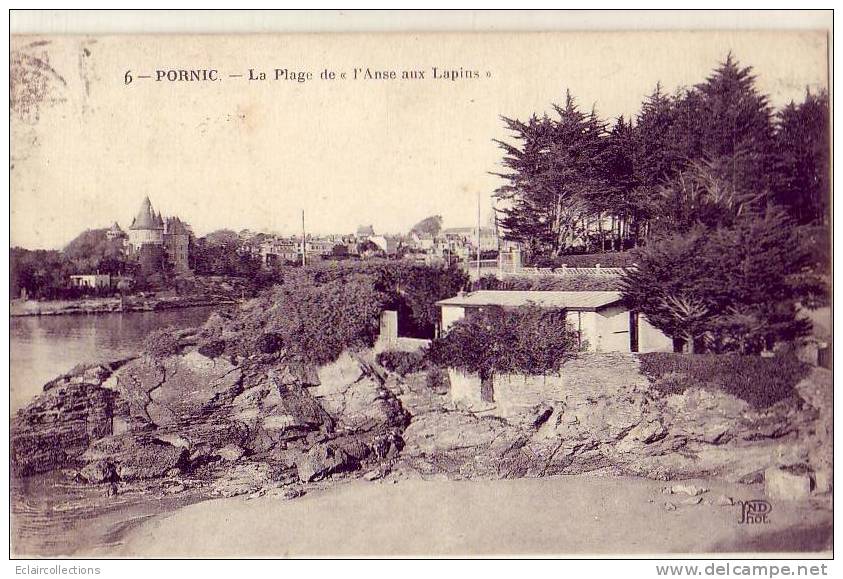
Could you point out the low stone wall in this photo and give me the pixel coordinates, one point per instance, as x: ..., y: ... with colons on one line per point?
x: 514, y: 394
x: 589, y: 375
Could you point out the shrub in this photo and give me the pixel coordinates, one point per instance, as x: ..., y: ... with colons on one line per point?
x: 270, y: 342
x: 437, y: 379
x: 759, y: 381
x: 525, y: 340
x: 412, y: 289
x: 212, y: 349
x: 162, y: 344
x: 401, y: 362
x: 314, y: 321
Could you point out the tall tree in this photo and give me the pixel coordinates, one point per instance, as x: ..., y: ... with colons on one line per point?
x: 429, y: 226
x: 728, y: 122
x: 554, y: 176
x: 802, y: 151
x: 621, y: 195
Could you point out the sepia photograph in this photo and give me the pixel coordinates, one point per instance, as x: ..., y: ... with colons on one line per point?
x: 421, y: 294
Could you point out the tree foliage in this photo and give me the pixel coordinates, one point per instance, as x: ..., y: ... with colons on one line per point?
x: 411, y: 289
x: 734, y: 287
x: 429, y: 226
x: 801, y: 164
x: 701, y: 155
x: 303, y: 321
x: 318, y: 311
x: 222, y: 253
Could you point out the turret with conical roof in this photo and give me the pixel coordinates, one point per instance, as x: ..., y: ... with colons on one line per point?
x: 146, y: 217
x: 147, y: 226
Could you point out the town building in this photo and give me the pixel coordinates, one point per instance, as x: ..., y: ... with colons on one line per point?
x: 280, y: 252
x: 466, y: 237
x: 387, y: 244
x: 150, y: 235
x: 115, y: 232
x: 91, y: 281
x: 601, y: 319
x: 365, y: 231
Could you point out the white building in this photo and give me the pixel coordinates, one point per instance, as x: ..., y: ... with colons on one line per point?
x: 600, y: 318
x: 93, y: 280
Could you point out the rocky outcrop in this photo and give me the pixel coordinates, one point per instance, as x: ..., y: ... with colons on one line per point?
x: 621, y: 425
x: 211, y: 418
x: 135, y: 456
x: 179, y: 388
x: 55, y: 429
x: 323, y: 460
x: 243, y: 479
x: 352, y: 390
x: 253, y: 422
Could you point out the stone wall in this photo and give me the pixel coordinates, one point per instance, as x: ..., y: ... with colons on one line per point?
x: 651, y: 339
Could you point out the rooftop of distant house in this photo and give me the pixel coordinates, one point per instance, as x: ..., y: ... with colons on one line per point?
x: 579, y: 300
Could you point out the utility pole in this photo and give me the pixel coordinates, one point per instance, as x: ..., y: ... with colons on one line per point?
x: 498, y: 244
x: 303, y: 241
x: 478, y: 238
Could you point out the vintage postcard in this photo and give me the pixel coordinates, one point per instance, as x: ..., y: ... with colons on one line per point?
x: 421, y: 295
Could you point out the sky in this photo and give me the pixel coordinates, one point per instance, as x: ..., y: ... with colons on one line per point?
x: 235, y: 153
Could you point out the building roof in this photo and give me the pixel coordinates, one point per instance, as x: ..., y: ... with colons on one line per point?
x: 146, y: 217
x: 365, y: 230
x: 584, y: 300
x: 176, y: 226
x: 116, y: 228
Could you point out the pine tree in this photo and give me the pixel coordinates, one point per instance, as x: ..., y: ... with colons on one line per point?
x: 802, y: 149
x: 728, y: 123
x: 554, y: 176
x: 622, y: 194
x: 737, y: 286
x: 657, y: 157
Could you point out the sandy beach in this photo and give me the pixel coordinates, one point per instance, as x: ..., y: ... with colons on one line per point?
x: 575, y: 515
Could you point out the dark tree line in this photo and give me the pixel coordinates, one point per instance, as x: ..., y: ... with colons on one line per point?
x: 46, y: 273
x: 695, y: 156
x: 726, y: 200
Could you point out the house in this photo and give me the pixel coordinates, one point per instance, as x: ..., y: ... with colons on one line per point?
x: 280, y: 251
x: 389, y: 245
x: 91, y: 280
x: 600, y: 318
x: 467, y: 237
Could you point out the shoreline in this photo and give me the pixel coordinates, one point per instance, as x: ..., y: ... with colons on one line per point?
x: 93, y: 306
x: 546, y: 516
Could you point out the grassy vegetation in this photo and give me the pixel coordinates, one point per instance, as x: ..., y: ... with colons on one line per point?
x: 759, y: 381
x: 401, y: 362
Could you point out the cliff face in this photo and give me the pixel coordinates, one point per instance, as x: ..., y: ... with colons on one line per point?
x: 190, y: 415
x: 55, y: 429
